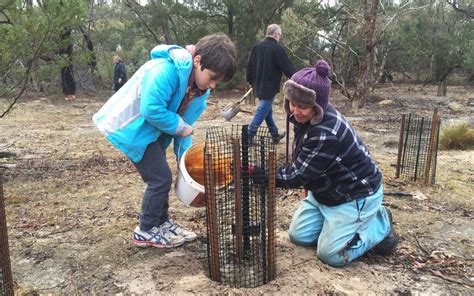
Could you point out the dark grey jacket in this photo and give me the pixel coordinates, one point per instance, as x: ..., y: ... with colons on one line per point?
x: 267, y: 61
x: 119, y: 73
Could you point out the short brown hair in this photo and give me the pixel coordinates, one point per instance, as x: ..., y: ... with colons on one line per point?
x: 218, y: 54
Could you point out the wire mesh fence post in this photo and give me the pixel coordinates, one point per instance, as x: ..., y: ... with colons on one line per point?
x: 245, y: 184
x: 418, y: 148
x: 6, y: 279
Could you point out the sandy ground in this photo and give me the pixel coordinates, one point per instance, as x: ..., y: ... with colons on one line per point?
x: 72, y: 201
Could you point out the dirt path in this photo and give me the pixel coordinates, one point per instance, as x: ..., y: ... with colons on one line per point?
x: 73, y: 200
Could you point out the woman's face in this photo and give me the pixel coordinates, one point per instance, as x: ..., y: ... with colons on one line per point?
x: 302, y: 113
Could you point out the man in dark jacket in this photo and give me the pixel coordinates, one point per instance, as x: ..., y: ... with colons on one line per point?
x: 120, y: 74
x: 267, y: 61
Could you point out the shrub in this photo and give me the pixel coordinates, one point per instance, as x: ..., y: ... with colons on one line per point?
x: 457, y: 136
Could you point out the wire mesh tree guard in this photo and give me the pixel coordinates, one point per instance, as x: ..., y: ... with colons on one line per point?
x: 418, y: 148
x: 240, y: 206
x: 6, y: 280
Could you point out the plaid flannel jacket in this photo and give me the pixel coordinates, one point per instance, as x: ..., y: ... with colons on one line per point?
x: 330, y: 160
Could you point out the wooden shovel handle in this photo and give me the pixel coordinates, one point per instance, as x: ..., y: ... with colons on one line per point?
x: 244, y: 96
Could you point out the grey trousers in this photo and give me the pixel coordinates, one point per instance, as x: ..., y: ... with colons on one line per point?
x: 156, y: 173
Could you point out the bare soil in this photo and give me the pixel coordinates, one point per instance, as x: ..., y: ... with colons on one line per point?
x: 72, y: 201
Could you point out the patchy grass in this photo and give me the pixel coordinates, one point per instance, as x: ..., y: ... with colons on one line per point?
x: 458, y: 136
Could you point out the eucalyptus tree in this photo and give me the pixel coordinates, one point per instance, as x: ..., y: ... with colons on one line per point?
x: 33, y: 43
x: 432, y: 44
x: 353, y: 35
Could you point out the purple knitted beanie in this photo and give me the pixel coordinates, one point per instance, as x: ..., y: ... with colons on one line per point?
x: 309, y: 86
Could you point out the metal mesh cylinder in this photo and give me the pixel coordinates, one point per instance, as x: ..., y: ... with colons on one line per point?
x: 240, y: 205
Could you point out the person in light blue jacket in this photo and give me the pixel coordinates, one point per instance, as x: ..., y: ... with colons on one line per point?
x: 160, y: 104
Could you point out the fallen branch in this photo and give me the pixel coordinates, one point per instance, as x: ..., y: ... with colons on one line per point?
x: 398, y: 194
x: 448, y: 278
x: 419, y: 245
x: 66, y: 229
x: 4, y: 147
x: 304, y: 261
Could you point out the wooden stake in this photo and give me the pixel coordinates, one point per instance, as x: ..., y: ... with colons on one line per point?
x: 5, y: 264
x: 400, y: 147
x: 238, y: 200
x: 212, y: 231
x: 431, y: 146
x: 271, y: 217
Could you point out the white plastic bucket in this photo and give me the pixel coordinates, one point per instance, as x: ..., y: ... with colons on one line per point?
x: 188, y: 191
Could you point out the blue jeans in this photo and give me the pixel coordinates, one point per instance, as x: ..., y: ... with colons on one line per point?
x: 342, y: 233
x: 264, y: 112
x: 156, y: 173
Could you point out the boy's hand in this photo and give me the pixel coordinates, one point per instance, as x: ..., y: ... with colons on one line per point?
x: 186, y: 131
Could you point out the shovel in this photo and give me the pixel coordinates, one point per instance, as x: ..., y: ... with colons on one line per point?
x: 229, y: 112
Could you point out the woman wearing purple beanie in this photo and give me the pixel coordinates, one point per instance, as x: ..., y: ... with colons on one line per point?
x: 342, y: 213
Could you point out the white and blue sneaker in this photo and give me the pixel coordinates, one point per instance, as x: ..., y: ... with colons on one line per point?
x: 160, y: 237
x: 177, y: 230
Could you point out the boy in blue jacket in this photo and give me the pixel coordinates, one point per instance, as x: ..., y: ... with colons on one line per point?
x: 160, y: 103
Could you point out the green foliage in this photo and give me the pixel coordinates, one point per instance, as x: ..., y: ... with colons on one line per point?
x: 431, y: 42
x: 422, y: 39
x: 458, y: 136
x: 31, y: 40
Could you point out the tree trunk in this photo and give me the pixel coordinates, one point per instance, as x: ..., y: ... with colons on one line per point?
x: 442, y: 88
x: 366, y: 63
x: 90, y: 47
x: 230, y: 20
x: 165, y: 28
x: 67, y: 73
x: 471, y: 76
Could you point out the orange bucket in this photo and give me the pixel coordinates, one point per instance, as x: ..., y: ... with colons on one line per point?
x: 189, y: 185
x: 221, y: 165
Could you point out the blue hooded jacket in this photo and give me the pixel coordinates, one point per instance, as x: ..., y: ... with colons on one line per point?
x: 145, y: 108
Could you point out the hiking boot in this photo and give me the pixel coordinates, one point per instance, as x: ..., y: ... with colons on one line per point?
x: 177, y: 230
x: 252, y: 141
x: 389, y: 243
x: 277, y: 138
x: 160, y: 237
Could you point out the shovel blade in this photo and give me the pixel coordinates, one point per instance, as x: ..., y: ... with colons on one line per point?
x: 230, y: 112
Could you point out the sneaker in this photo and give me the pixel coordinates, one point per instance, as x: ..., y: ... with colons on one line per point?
x: 159, y: 237
x: 174, y: 228
x: 277, y: 139
x: 389, y: 243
